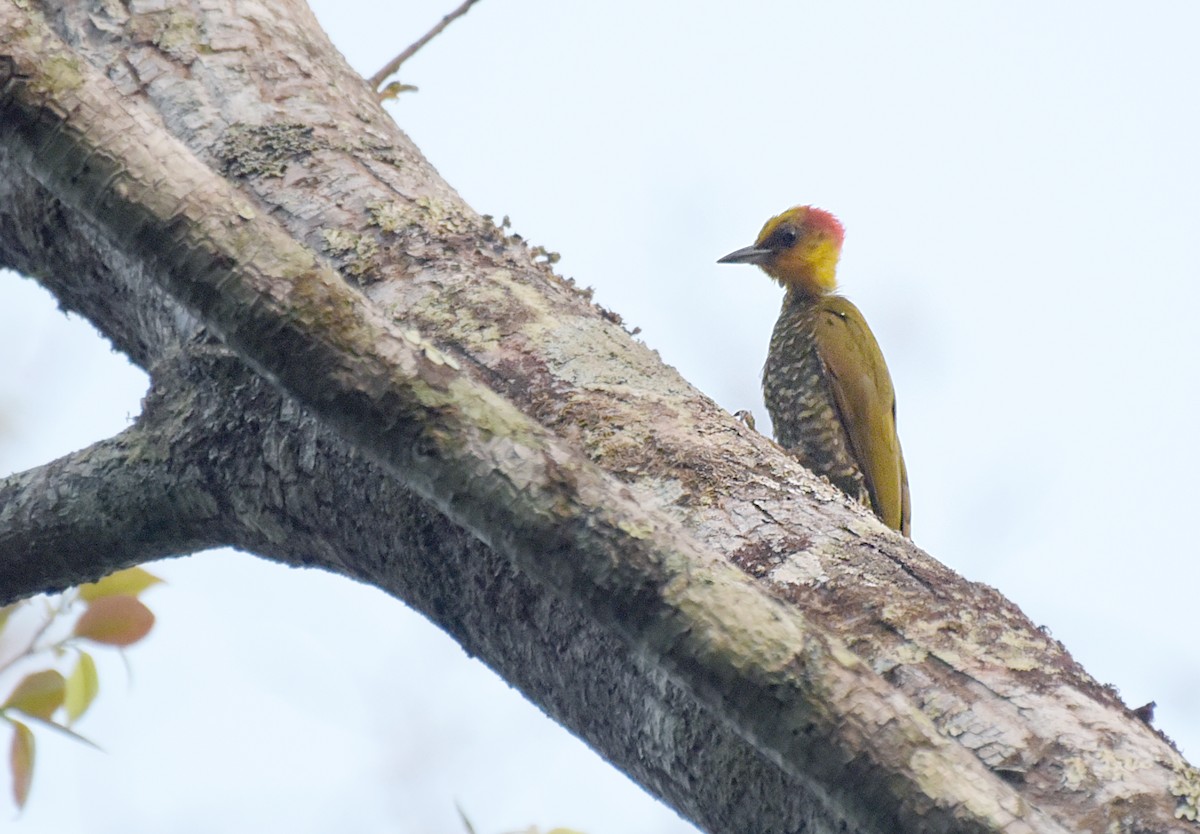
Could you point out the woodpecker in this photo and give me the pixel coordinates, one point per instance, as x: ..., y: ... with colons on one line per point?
x: 825, y: 383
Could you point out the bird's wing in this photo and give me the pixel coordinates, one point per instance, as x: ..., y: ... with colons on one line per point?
x: 863, y: 392
x: 905, y: 499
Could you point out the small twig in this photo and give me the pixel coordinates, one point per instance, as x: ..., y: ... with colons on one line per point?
x: 31, y: 647
x: 390, y: 68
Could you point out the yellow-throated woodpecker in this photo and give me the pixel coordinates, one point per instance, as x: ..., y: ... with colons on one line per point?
x: 825, y: 383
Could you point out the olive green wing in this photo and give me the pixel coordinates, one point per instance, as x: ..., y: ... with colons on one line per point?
x: 862, y: 389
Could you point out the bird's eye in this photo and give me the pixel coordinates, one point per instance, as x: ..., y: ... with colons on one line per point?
x: 784, y: 238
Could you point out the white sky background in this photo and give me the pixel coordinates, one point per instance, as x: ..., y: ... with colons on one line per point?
x: 1021, y: 191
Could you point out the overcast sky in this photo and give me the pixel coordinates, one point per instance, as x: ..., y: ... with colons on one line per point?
x: 1020, y: 186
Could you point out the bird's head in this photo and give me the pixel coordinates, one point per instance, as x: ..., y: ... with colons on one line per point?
x: 798, y: 248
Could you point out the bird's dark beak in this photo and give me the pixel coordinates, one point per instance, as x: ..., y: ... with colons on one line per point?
x: 749, y: 255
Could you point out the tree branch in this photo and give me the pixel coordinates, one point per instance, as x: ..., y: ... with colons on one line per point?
x: 613, y: 549
x: 486, y: 465
x: 115, y: 504
x: 393, y: 65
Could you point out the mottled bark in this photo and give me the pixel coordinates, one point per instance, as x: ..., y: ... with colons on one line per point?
x: 404, y: 394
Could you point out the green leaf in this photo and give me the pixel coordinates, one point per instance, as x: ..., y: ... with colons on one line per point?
x: 20, y: 757
x: 115, y: 621
x: 129, y: 582
x: 82, y: 686
x: 38, y: 694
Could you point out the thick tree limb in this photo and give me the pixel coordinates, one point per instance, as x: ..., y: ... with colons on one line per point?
x: 840, y: 731
x: 112, y: 505
x: 487, y: 466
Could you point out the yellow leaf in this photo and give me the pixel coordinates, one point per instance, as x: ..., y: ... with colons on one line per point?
x: 129, y: 582
x: 115, y: 621
x: 21, y: 759
x: 82, y: 686
x: 38, y: 694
